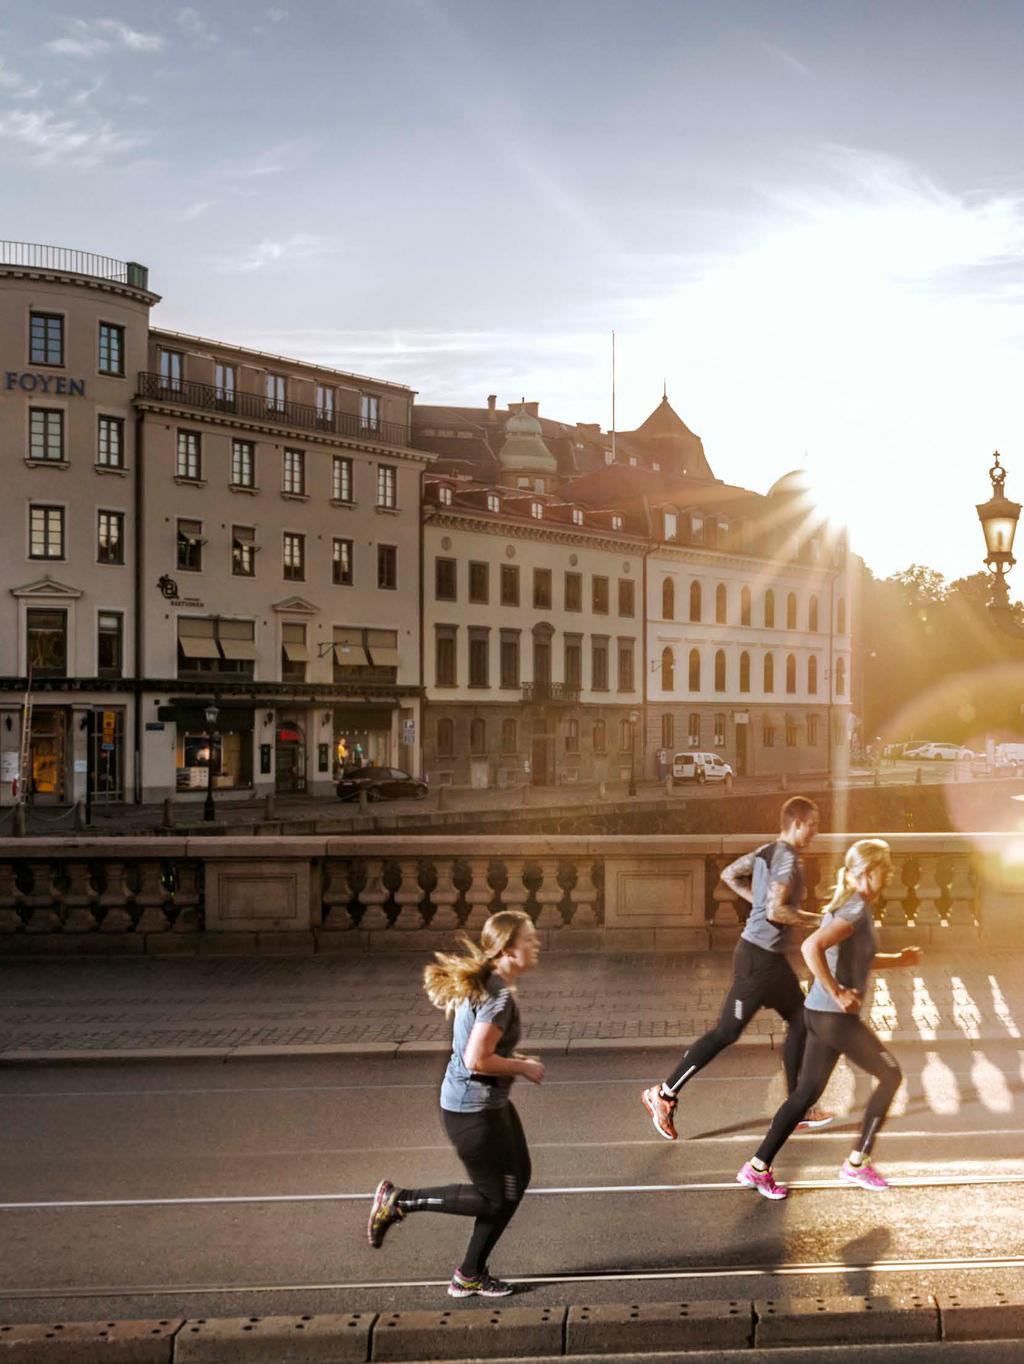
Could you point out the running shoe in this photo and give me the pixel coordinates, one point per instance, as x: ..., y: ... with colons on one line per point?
x: 662, y: 1112
x: 761, y: 1180
x: 483, y: 1286
x: 815, y: 1118
x: 383, y: 1212
x: 864, y: 1176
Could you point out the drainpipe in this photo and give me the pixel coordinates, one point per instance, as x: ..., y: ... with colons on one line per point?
x: 137, y: 606
x: 831, y: 666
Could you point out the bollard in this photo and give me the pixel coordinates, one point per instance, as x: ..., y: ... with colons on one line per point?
x: 668, y: 786
x: 79, y: 817
x: 919, y: 776
x: 728, y: 781
x: 364, y: 803
x: 269, y: 811
x: 168, y: 816
x: 602, y: 793
x: 18, y: 825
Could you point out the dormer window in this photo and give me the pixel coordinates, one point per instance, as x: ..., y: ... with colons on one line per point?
x: 723, y: 525
x: 537, y: 510
x: 656, y: 467
x: 632, y: 461
x: 616, y: 522
x: 493, y: 502
x: 696, y: 529
x: 522, y: 483
x: 444, y: 495
x: 671, y: 525
x: 577, y: 516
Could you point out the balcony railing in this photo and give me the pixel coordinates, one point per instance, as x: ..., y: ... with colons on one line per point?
x: 258, y: 408
x: 554, y: 693
x: 36, y: 256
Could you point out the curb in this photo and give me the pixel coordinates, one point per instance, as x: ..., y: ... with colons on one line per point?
x: 804, y: 1328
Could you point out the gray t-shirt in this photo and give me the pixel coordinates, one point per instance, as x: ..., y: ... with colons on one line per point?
x: 849, y: 960
x: 461, y: 1090
x: 773, y: 862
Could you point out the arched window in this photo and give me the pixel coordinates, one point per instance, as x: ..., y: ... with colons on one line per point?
x: 695, y: 670
x: 769, y: 609
x: 445, y: 738
x: 790, y: 674
x: 744, y: 671
x: 720, y: 670
x: 625, y: 736
x: 509, y: 737
x: 668, y: 670
x: 668, y: 731
x: 720, y: 604
x: 600, y: 736
x: 745, y: 606
x: 668, y: 599
x: 769, y: 673
x: 695, y: 602
x: 841, y: 616
x: 812, y: 676
x: 812, y: 614
x: 477, y: 736
x: 572, y: 736
x: 791, y: 611
x: 840, y: 676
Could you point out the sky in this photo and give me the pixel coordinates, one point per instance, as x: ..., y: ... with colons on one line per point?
x: 805, y: 219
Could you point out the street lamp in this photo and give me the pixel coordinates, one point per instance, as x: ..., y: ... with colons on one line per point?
x: 211, y: 713
x: 998, y: 517
x: 634, y: 716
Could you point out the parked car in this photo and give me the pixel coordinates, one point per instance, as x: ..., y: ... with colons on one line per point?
x: 699, y: 767
x: 913, y: 748
x: 380, y: 783
x: 1009, y: 756
x: 944, y: 752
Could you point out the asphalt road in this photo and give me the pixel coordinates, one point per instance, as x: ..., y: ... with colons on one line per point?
x: 206, y: 1189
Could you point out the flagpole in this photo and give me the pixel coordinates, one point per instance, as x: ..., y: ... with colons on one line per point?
x: 613, y: 397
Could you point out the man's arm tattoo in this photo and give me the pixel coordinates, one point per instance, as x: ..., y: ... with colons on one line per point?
x: 739, y: 876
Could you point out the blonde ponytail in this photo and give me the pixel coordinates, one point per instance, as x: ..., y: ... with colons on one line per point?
x: 860, y: 857
x: 459, y: 976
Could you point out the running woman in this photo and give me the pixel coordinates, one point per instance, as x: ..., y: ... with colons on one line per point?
x: 478, y: 986
x: 771, y: 880
x: 841, y: 954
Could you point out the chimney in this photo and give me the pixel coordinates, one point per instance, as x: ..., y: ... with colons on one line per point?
x: 533, y: 409
x: 492, y: 404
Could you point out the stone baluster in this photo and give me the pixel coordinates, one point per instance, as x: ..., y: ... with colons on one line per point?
x: 479, y: 895
x: 928, y: 913
x: 10, y: 899
x: 962, y: 895
x: 897, y: 894
x: 337, y: 895
x: 584, y: 895
x: 150, y: 899
x: 516, y: 892
x: 373, y: 896
x: 186, y: 898
x: 444, y: 896
x: 409, y: 896
x: 42, y: 900
x: 115, y: 899
x: 79, y: 899
x: 549, y: 895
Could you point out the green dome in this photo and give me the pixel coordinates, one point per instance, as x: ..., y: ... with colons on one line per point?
x: 524, y: 447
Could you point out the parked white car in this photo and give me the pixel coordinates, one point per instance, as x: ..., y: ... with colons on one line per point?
x: 950, y: 753
x: 700, y: 767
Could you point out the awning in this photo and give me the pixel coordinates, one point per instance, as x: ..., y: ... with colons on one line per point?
x: 295, y: 653
x: 193, y: 646
x: 384, y: 658
x: 348, y: 648
x: 239, y: 648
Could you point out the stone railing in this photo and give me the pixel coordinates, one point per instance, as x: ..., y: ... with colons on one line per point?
x: 648, y: 893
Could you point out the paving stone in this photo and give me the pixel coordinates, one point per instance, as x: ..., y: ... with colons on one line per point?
x: 324, y: 1339
x: 988, y: 1315
x: 657, y: 1326
x: 842, y: 1320
x: 501, y: 1332
x: 88, y: 1342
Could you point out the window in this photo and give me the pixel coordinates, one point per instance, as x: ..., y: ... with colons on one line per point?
x: 790, y: 732
x: 46, y: 532
x: 45, y: 433
x: 812, y: 614
x: 369, y: 412
x: 190, y: 462
x: 668, y: 731
x: 274, y: 388
x: 769, y: 608
x: 668, y: 599
x: 790, y: 674
x: 110, y: 537
x: 744, y: 605
x: 841, y: 616
x: 47, y: 641
x: 626, y: 671
x: 325, y: 405
x: 694, y: 678
x: 573, y: 661
x: 625, y: 736
x: 46, y: 339
x: 341, y: 563
x: 812, y: 676
x: 769, y: 674
x: 616, y: 522
x: 387, y: 485
x: 719, y: 731
x: 243, y: 464
x: 693, y: 730
x: 509, y: 736
x: 293, y: 472
x: 294, y: 556
x: 574, y: 591
x: 445, y: 738
x: 110, y: 443
x: 445, y: 580
x: 695, y: 601
x: 109, y: 644
x: 600, y: 736
x: 172, y: 370
x: 744, y: 671
x: 671, y: 525
x: 387, y: 567
x: 243, y: 551
x: 697, y: 529
x: 479, y: 657
x: 627, y: 597
x: 542, y: 658
x: 444, y: 495
x: 510, y: 658
x: 812, y: 731
x: 720, y: 604
x: 444, y: 656
x: 840, y: 676
x: 599, y: 596
x: 509, y: 585
x: 537, y: 510
x: 213, y: 645
x: 190, y: 546
x: 599, y: 664
x: 294, y: 652
x: 224, y: 383
x: 479, y: 583
x: 542, y: 589
x: 477, y: 737
x: 111, y: 349
x: 577, y: 516
x: 341, y: 478
x: 572, y: 736
x: 719, y: 670
x: 493, y: 502
x: 668, y: 669
x: 791, y: 611
x: 768, y: 734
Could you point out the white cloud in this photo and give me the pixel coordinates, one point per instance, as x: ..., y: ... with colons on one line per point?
x: 15, y: 85
x: 194, y: 211
x: 194, y: 26
x: 50, y: 138
x: 787, y: 58
x: 89, y: 39
x: 300, y: 246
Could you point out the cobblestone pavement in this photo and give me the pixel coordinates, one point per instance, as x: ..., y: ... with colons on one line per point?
x: 221, y: 1006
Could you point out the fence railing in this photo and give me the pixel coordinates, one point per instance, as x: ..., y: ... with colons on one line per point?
x: 37, y: 256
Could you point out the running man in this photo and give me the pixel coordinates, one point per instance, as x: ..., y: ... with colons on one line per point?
x: 841, y: 953
x: 771, y: 880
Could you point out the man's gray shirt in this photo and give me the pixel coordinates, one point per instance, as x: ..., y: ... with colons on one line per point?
x: 773, y: 862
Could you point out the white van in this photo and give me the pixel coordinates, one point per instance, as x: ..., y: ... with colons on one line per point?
x: 699, y: 767
x: 1010, y: 755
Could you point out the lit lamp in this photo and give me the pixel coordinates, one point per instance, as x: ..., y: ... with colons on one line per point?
x: 634, y: 716
x: 211, y: 713
x: 998, y: 517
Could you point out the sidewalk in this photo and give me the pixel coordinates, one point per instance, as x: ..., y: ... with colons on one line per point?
x: 149, y: 1008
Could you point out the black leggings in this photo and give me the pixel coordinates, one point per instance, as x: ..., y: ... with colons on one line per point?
x: 830, y: 1036
x: 492, y: 1146
x: 761, y: 980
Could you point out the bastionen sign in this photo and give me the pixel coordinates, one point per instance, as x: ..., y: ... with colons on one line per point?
x: 44, y: 383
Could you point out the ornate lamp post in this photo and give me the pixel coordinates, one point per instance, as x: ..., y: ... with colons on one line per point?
x: 998, y: 517
x: 211, y: 713
x: 634, y: 716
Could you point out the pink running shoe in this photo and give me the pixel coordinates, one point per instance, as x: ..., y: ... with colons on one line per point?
x: 864, y: 1176
x: 761, y: 1180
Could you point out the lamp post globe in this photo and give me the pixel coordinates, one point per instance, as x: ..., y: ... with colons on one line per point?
x: 211, y: 715
x: 999, y: 517
x: 634, y: 717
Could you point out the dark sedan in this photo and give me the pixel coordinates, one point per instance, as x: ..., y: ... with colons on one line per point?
x: 380, y: 783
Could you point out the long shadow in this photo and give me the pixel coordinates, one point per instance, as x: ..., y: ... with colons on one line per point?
x: 860, y: 1254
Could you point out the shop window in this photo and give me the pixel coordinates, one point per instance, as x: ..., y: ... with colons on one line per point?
x: 572, y: 736
x: 109, y: 644
x: 341, y: 563
x: 387, y: 567
x: 46, y: 339
x: 719, y: 670
x: 509, y: 736
x: 243, y: 551
x: 110, y: 443
x: 294, y: 651
x: 721, y: 599
x: 694, y: 670
x: 243, y: 464
x: 221, y: 757
x: 106, y: 755
x: 574, y: 591
x: 744, y: 605
x: 189, y: 463
x: 47, y: 642
x: 600, y: 738
x: 769, y: 674
x: 599, y: 596
x: 668, y: 599
x: 445, y: 738
x: 477, y: 737
x: 510, y: 584
x: 110, y: 537
x: 341, y: 478
x: 111, y: 349
x: 668, y: 731
x: 769, y: 609
x: 668, y: 669
x: 190, y: 546
x: 479, y: 583
x: 293, y: 550
x: 46, y: 434
x: 744, y: 671
x: 444, y: 656
x: 627, y: 597
x: 696, y: 606
x: 790, y: 674
x: 542, y: 589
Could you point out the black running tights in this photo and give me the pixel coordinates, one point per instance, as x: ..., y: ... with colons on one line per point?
x: 830, y: 1036
x: 492, y: 1146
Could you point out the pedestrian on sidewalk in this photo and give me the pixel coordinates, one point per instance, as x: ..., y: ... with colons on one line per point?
x: 478, y: 985
x: 771, y: 880
x: 841, y: 954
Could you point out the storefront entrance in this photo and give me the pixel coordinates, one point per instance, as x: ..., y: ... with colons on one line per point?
x: 362, y: 735
x: 289, y: 758
x: 48, y: 756
x: 106, y: 756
